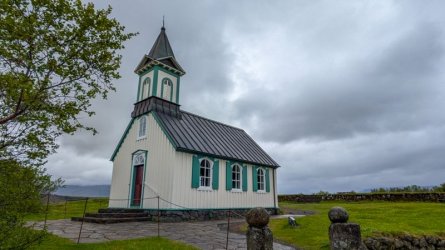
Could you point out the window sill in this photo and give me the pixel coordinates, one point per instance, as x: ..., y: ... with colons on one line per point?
x: 236, y: 191
x: 261, y: 192
x: 141, y: 138
x: 208, y: 189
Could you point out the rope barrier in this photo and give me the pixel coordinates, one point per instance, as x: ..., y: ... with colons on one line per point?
x: 230, y: 213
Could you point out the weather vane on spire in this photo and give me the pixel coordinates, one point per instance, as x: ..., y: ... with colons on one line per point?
x: 163, y: 21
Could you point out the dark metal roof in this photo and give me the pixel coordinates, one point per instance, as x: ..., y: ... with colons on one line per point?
x: 161, y: 48
x: 196, y: 134
x: 161, y: 53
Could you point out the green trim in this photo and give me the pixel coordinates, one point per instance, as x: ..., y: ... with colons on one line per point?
x: 195, y: 209
x: 177, y: 82
x: 122, y: 139
x: 139, y: 89
x: 166, y: 71
x: 215, y: 173
x: 267, y: 177
x: 228, y: 175
x: 244, y: 178
x: 159, y: 122
x: 195, y: 171
x: 254, y: 178
x: 177, y: 89
x: 155, y: 82
x: 185, y: 150
x: 129, y: 183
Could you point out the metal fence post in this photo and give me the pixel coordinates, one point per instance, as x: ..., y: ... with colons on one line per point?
x: 228, y: 227
x: 46, y: 210
x: 158, y: 217
x: 83, y: 218
x: 64, y: 215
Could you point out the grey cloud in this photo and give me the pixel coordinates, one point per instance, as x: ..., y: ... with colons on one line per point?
x: 393, y: 91
x: 344, y: 96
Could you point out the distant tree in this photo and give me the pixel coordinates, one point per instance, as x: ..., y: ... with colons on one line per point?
x: 55, y: 57
x: 406, y: 189
x: 440, y: 188
x: 321, y: 192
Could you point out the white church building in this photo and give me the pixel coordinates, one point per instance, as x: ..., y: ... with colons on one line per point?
x: 188, y: 161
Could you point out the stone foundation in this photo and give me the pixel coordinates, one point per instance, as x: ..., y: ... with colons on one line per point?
x: 190, y: 215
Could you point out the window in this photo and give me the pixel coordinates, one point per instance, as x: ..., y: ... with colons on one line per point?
x: 205, y: 175
x: 236, y: 177
x: 138, y: 159
x: 142, y: 127
x: 167, y: 87
x: 145, y: 89
x: 260, y: 180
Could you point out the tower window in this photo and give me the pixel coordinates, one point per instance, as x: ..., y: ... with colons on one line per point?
x: 146, y: 88
x: 167, y: 89
x: 142, y: 127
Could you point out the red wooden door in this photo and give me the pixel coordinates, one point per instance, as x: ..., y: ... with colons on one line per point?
x: 139, y: 172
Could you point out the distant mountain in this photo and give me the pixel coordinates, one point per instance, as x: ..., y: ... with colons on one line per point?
x: 84, y: 191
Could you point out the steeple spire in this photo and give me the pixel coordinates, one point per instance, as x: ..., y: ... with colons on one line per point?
x: 161, y: 48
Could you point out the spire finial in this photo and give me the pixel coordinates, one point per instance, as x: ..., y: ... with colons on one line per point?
x: 163, y: 22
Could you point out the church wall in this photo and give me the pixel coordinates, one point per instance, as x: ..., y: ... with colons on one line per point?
x: 169, y: 174
x: 186, y: 196
x: 158, y: 169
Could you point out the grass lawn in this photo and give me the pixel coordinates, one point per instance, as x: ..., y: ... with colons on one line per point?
x: 73, y: 208
x: 54, y: 242
x: 374, y: 217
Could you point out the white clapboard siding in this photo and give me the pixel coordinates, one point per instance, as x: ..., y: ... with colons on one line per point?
x: 186, y: 196
x: 159, y: 168
x: 169, y: 175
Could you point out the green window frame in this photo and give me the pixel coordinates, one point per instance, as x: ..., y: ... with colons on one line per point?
x: 205, y: 173
x: 260, y: 179
x: 231, y: 182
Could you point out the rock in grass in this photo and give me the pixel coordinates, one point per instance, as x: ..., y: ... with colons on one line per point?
x: 338, y: 215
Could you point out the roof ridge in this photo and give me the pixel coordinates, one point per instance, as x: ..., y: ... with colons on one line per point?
x: 202, y: 117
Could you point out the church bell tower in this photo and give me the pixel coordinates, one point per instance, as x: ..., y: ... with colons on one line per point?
x: 159, y: 79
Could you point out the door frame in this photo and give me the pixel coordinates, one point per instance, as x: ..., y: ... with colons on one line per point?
x: 132, y: 187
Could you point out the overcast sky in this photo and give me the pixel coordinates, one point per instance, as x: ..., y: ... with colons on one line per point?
x: 344, y: 95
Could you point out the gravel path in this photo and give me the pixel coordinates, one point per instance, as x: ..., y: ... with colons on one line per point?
x: 204, y: 234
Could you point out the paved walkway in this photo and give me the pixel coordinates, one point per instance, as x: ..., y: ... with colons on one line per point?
x: 204, y: 235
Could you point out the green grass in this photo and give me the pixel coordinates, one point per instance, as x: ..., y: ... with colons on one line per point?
x: 374, y: 217
x: 73, y: 208
x: 416, y: 218
x: 54, y: 242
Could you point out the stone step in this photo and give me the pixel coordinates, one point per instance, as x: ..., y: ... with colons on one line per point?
x: 116, y: 215
x: 121, y: 210
x: 110, y: 220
